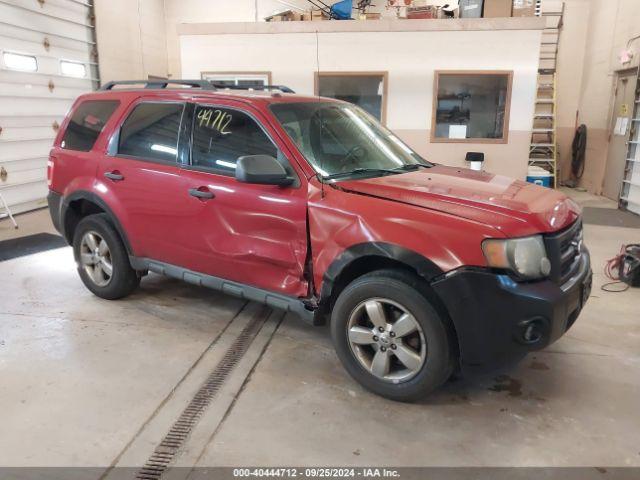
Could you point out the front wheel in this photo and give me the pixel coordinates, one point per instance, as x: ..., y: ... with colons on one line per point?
x: 390, y: 338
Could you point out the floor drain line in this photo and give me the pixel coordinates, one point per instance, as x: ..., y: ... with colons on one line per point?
x: 166, y: 451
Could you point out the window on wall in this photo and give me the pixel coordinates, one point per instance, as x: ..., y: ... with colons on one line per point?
x: 471, y: 107
x: 18, y: 61
x: 367, y: 90
x: 222, y: 135
x: 73, y: 69
x: 151, y: 132
x: 244, y: 80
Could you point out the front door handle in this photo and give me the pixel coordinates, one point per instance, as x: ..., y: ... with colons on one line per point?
x: 203, y: 194
x: 116, y: 176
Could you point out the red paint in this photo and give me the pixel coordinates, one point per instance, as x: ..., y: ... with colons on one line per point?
x: 257, y: 234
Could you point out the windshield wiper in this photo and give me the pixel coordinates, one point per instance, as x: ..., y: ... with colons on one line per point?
x: 358, y: 171
x: 412, y: 166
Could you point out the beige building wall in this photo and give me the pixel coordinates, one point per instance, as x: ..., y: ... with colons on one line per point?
x: 571, y: 56
x: 409, y: 51
x: 131, y: 39
x: 609, y: 24
x: 179, y: 12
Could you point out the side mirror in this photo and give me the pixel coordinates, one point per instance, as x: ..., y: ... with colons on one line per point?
x: 262, y: 169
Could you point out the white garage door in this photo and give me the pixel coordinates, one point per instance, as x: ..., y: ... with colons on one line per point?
x: 47, y: 59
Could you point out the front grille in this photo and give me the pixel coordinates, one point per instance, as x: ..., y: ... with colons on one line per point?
x: 564, y: 251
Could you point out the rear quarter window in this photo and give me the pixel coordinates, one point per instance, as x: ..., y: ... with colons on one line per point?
x: 86, y: 124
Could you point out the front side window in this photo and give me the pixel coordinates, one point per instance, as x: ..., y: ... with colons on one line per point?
x: 86, y: 123
x: 339, y: 140
x: 151, y: 132
x: 471, y: 106
x: 222, y: 135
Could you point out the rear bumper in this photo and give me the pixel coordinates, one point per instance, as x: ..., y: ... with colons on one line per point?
x: 55, y: 209
x: 498, y: 319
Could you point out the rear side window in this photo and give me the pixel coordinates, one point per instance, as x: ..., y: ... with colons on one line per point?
x: 221, y: 135
x: 86, y: 123
x: 151, y: 132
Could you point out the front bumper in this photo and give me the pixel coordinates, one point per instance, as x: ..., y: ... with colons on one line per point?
x: 498, y: 319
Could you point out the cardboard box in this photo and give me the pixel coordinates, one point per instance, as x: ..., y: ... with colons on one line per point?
x: 284, y: 16
x: 497, y: 8
x: 427, y: 11
x: 470, y: 8
x: 317, y: 15
x: 524, y: 8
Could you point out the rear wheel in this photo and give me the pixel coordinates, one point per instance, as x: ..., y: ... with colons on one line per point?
x: 390, y: 338
x: 103, y: 262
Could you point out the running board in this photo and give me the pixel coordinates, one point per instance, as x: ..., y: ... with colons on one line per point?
x: 246, y: 292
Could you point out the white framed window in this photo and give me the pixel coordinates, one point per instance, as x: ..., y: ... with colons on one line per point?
x: 73, y: 69
x: 19, y: 61
x: 238, y: 79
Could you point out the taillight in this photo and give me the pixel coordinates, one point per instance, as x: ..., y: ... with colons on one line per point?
x: 50, y: 165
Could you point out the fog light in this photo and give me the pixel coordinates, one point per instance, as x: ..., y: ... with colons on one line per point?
x: 532, y: 331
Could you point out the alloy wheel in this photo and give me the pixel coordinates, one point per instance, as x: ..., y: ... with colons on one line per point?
x: 95, y: 258
x: 387, y: 340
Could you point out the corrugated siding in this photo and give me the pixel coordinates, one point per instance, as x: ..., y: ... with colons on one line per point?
x: 33, y: 104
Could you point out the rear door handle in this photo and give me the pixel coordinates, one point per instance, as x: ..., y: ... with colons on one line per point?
x: 203, y: 194
x: 116, y: 176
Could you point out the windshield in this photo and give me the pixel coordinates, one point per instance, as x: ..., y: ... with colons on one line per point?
x: 341, y: 140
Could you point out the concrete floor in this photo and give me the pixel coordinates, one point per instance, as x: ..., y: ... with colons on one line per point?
x: 88, y: 382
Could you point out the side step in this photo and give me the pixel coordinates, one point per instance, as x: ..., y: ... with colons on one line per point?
x: 247, y: 292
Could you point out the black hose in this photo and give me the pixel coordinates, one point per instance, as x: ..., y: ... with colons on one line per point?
x: 578, y: 149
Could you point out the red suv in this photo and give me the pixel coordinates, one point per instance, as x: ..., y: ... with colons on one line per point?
x: 310, y: 205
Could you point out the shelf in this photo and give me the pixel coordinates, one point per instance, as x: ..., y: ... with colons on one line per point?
x: 633, y: 184
x: 542, y: 130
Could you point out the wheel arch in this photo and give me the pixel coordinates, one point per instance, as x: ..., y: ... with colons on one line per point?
x: 81, y: 204
x: 368, y: 257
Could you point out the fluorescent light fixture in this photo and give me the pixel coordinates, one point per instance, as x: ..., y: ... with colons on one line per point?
x: 17, y: 61
x: 73, y: 69
x: 163, y: 148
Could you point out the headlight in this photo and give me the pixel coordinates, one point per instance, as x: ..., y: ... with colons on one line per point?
x: 526, y: 257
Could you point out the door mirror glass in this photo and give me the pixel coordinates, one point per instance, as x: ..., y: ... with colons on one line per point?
x: 261, y: 169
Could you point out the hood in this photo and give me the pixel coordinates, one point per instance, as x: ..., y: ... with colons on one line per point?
x: 514, y: 207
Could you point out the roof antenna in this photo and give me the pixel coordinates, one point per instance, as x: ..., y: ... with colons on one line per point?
x: 321, y: 126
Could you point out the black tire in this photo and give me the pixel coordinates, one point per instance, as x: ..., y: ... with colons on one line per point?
x: 124, y: 279
x: 404, y: 289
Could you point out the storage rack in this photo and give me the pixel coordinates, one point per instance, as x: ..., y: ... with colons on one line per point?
x: 543, y: 150
x: 630, y: 188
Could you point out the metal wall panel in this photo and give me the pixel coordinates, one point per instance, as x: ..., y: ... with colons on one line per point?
x: 33, y: 104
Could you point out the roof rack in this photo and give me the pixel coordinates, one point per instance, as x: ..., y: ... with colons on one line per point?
x: 282, y: 88
x: 202, y: 84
